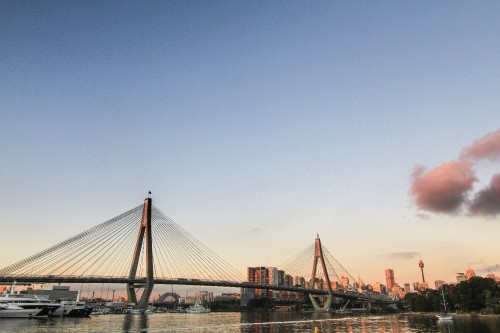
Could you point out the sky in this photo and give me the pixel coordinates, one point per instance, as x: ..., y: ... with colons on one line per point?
x: 257, y: 125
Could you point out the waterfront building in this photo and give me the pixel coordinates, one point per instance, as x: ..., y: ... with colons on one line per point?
x: 55, y: 294
x: 227, y: 297
x: 407, y: 288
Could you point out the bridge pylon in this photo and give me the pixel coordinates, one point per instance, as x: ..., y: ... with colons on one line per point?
x: 318, y: 255
x: 144, y: 232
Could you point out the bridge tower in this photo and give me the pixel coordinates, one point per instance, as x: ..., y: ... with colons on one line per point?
x: 318, y: 255
x: 144, y: 232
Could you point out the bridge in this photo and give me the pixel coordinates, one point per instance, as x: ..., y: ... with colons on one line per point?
x: 143, y: 247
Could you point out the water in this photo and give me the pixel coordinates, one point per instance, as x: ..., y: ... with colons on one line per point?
x: 278, y: 322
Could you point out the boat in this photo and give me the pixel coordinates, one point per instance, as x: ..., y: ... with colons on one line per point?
x: 197, y: 308
x: 14, y: 311
x: 445, y: 316
x: 75, y: 309
x: 12, y: 301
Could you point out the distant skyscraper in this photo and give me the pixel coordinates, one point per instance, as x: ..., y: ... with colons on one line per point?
x: 377, y: 287
x: 389, y: 278
x: 344, y: 280
x: 461, y: 277
x: 439, y: 283
x: 299, y: 281
x: 259, y: 275
x: 273, y: 276
x: 421, y: 265
x: 470, y: 273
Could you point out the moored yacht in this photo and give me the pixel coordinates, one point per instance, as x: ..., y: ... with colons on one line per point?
x: 73, y: 308
x: 197, y: 308
x: 13, y: 301
x: 13, y: 311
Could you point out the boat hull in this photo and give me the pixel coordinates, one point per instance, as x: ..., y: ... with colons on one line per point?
x: 22, y: 313
x: 444, y: 317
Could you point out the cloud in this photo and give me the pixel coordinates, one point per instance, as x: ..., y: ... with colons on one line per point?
x: 424, y: 216
x: 402, y: 255
x: 487, y: 147
x: 443, y: 189
x: 487, y: 201
x: 447, y: 188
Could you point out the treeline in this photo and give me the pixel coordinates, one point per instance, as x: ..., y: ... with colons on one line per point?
x: 475, y: 295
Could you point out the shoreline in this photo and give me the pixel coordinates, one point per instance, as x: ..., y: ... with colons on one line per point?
x: 461, y: 314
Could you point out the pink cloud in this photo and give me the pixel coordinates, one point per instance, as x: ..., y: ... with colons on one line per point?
x: 487, y: 201
x: 487, y: 147
x: 443, y: 189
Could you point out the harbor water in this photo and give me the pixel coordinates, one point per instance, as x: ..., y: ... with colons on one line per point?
x: 248, y: 322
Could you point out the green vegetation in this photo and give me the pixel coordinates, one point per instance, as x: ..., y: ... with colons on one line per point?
x: 475, y: 295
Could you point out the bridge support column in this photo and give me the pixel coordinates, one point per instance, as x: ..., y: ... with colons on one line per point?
x: 318, y: 255
x: 144, y: 231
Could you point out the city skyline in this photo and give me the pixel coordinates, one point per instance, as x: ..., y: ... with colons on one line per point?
x: 257, y: 126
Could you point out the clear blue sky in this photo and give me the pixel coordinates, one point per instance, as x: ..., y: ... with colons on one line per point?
x: 256, y: 125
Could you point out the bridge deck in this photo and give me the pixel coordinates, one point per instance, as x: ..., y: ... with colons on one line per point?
x: 193, y: 282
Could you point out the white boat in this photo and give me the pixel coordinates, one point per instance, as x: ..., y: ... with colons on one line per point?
x: 13, y: 311
x: 14, y: 300
x: 445, y: 316
x: 197, y: 308
x: 73, y: 308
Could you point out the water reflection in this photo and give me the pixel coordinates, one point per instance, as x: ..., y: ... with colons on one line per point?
x: 134, y: 323
x: 254, y: 322
x: 445, y: 326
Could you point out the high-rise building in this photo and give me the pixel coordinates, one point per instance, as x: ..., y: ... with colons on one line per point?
x: 378, y: 287
x: 439, y: 283
x: 299, y: 281
x: 258, y: 275
x: 204, y: 296
x: 344, y: 280
x: 470, y: 273
x: 461, y: 277
x: 389, y: 278
x: 273, y: 274
x: 281, y: 278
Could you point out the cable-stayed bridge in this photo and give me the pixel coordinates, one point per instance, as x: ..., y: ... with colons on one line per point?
x: 144, y: 247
